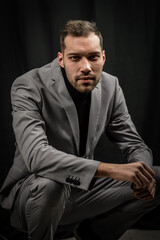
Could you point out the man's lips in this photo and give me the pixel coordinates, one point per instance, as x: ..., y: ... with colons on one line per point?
x: 86, y: 78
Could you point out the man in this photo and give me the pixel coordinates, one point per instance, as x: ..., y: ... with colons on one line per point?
x: 59, y: 113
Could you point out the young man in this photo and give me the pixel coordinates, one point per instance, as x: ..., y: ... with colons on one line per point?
x: 59, y: 113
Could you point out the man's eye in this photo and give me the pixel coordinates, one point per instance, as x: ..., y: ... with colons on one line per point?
x: 93, y: 57
x: 74, y: 58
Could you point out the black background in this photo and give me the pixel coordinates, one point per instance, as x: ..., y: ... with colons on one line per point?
x: 30, y: 38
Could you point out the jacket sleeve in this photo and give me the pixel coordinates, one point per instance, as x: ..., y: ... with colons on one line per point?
x: 123, y: 133
x: 31, y: 138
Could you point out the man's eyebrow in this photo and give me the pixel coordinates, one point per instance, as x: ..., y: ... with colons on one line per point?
x: 79, y: 53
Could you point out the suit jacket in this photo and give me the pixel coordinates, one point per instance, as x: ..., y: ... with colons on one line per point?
x: 46, y: 128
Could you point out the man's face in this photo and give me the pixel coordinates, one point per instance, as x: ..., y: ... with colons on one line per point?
x: 83, y: 61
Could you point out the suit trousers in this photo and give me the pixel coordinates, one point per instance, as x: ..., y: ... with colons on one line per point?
x: 108, y: 209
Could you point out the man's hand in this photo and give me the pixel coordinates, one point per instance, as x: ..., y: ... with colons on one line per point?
x: 146, y: 193
x: 138, y: 173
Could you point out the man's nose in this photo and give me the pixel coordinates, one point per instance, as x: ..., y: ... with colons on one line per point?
x: 85, y: 65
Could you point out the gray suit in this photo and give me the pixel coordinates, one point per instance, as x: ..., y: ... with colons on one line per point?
x: 46, y: 128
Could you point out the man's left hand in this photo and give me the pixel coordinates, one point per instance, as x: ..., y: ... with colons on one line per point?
x: 147, y: 193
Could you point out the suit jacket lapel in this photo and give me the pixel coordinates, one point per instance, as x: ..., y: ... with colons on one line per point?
x: 94, y: 116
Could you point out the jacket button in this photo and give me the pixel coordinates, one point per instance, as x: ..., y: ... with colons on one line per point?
x: 75, y: 181
x: 71, y: 180
x: 68, y: 179
x: 78, y: 182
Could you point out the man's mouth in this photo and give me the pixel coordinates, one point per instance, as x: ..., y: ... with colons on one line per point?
x: 86, y: 78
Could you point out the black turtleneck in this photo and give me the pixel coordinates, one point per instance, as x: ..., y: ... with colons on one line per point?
x: 82, y: 102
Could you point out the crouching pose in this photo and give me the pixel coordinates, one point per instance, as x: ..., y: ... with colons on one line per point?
x: 60, y: 111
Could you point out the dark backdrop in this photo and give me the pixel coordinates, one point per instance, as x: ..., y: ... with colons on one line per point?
x: 30, y: 39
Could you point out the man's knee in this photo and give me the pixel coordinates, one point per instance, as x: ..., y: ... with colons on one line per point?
x: 39, y: 193
x: 49, y: 191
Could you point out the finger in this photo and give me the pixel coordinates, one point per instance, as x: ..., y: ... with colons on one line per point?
x: 148, y: 198
x: 136, y: 182
x: 147, y: 174
x: 153, y: 189
x: 139, y: 191
x: 153, y: 193
x: 133, y: 186
x: 144, y: 195
x: 152, y: 184
x: 142, y: 178
x: 149, y: 170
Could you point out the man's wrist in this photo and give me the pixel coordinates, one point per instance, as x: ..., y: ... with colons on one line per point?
x: 103, y: 170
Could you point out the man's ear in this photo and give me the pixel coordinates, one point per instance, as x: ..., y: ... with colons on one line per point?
x: 60, y: 59
x: 104, y: 56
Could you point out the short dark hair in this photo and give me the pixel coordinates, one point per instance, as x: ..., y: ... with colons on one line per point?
x: 79, y: 28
